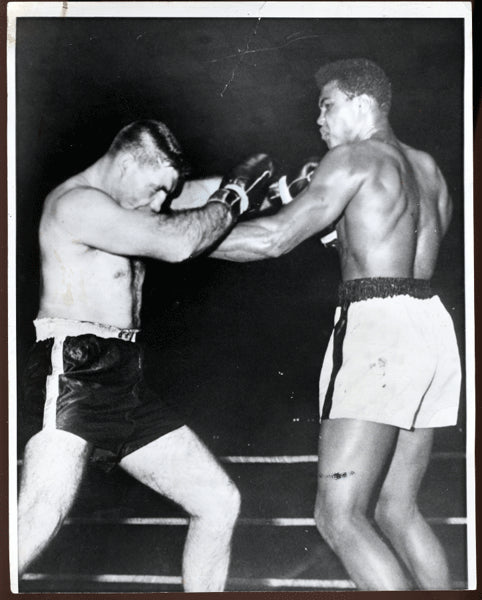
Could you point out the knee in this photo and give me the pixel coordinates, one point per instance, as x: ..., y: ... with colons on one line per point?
x: 230, y: 501
x: 392, y: 515
x: 322, y: 519
x: 224, y: 504
x: 335, y: 521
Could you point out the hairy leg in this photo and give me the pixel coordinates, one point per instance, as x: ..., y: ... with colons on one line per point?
x: 53, y: 465
x: 179, y: 466
x: 352, y: 456
x: 398, y: 515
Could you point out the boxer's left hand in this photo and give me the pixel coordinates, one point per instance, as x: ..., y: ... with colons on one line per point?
x: 246, y: 186
x: 285, y: 189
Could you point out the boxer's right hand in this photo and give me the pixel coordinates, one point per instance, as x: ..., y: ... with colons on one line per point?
x: 246, y: 186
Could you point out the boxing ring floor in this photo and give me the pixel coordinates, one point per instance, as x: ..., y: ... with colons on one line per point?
x: 238, y: 348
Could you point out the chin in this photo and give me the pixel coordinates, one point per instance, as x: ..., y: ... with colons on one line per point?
x: 329, y: 142
x: 333, y: 144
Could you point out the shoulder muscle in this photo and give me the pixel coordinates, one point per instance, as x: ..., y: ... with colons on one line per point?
x: 91, y: 217
x: 340, y: 174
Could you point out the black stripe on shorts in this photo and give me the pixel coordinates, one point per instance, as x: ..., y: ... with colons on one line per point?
x: 338, y: 339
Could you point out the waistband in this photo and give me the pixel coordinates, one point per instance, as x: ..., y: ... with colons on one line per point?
x: 355, y: 290
x: 61, y: 328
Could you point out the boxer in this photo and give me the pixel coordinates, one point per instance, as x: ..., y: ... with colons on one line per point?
x: 84, y: 388
x: 391, y: 373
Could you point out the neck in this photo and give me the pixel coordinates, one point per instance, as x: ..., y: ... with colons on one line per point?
x: 378, y: 129
x: 384, y: 135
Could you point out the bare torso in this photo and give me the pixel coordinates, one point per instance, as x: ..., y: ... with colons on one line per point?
x: 393, y: 225
x: 84, y: 283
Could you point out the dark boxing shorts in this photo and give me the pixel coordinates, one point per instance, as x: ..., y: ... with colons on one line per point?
x: 87, y: 379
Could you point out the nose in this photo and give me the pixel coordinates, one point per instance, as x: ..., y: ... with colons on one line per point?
x: 158, y: 201
x: 321, y: 118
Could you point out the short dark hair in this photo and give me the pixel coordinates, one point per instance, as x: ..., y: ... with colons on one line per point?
x: 356, y: 76
x: 149, y: 140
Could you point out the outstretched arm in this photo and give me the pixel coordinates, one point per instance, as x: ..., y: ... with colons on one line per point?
x: 334, y: 183
x: 251, y: 240
x: 94, y: 219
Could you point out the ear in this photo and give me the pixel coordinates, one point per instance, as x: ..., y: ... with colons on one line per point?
x: 163, y: 162
x: 125, y: 161
x: 366, y: 103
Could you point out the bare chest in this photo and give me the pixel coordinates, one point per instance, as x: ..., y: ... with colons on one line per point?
x: 120, y: 271
x: 96, y: 274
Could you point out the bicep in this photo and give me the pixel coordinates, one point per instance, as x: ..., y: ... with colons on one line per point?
x: 269, y: 237
x: 333, y: 185
x: 319, y: 206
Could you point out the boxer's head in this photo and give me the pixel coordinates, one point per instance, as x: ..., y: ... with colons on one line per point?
x: 152, y: 164
x: 357, y: 76
x: 354, y: 92
x: 147, y: 141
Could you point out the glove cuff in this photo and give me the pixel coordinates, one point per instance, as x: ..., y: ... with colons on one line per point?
x: 231, y: 198
x: 242, y: 196
x: 284, y: 190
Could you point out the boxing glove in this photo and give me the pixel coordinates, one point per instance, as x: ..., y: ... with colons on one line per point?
x: 285, y: 189
x: 246, y: 186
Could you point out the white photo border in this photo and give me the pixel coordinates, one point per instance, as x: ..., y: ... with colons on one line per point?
x: 258, y: 10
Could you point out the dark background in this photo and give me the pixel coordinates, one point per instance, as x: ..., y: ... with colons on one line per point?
x: 238, y: 347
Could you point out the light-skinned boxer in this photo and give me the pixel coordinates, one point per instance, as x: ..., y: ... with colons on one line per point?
x: 84, y: 390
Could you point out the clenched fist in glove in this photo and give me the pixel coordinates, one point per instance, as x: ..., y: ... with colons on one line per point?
x: 246, y: 186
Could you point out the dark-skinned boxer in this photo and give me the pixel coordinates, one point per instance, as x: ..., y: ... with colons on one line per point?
x: 391, y: 373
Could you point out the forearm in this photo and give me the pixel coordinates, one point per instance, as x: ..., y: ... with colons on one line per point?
x: 267, y: 237
x: 193, y: 231
x: 249, y: 241
x: 241, y: 190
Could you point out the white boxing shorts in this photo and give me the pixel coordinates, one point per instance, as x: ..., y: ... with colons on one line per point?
x: 392, y: 357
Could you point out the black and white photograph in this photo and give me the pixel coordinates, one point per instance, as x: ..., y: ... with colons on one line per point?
x: 240, y: 289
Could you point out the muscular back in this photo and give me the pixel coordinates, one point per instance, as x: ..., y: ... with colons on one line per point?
x: 394, y: 223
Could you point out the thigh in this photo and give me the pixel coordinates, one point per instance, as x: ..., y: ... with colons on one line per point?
x: 352, y: 458
x: 179, y: 466
x: 53, y: 464
x: 408, y: 465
